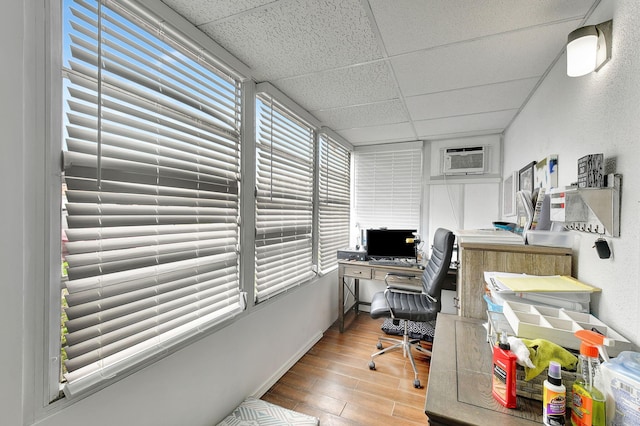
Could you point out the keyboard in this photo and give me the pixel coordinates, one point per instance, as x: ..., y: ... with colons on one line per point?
x: 389, y: 262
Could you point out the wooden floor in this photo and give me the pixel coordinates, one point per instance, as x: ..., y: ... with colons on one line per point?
x: 333, y: 381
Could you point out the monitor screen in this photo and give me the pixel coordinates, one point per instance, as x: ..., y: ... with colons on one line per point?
x: 390, y: 243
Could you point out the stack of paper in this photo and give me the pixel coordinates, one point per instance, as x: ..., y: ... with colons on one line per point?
x: 494, y: 236
x: 555, y: 290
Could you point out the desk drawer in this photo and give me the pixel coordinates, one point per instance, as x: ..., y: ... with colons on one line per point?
x: 357, y: 272
x: 411, y: 279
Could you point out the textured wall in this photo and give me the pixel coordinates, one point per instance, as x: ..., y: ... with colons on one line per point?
x: 596, y: 113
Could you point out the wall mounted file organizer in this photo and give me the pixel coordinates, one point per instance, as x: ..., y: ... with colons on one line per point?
x: 594, y: 210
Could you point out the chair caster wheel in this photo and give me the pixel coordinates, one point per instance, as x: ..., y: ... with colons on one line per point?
x: 416, y: 384
x: 379, y: 345
x: 372, y: 365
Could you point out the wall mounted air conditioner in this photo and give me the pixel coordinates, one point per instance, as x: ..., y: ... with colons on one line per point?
x: 463, y: 161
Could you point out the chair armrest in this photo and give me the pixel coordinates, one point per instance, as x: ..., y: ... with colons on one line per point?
x: 404, y: 289
x: 388, y: 277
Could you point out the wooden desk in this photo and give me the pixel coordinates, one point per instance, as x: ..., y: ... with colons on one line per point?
x: 363, y: 270
x: 476, y: 258
x: 459, y: 386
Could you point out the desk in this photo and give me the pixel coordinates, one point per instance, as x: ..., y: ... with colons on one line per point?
x: 363, y: 270
x: 459, y: 387
x: 475, y: 258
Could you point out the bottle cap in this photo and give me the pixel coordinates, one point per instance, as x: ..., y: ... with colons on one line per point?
x: 504, y: 342
x: 554, y: 375
x: 590, y: 340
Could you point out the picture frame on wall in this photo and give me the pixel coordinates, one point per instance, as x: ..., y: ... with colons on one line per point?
x: 546, y: 173
x: 509, y: 189
x: 526, y: 177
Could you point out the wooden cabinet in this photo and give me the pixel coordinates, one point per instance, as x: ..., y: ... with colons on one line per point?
x: 475, y: 258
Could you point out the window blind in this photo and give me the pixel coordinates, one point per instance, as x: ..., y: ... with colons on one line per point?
x: 388, y: 190
x: 151, y: 170
x: 334, y: 200
x: 284, y: 198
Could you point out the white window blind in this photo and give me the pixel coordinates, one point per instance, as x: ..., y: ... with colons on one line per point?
x: 388, y: 188
x: 152, y: 172
x: 334, y: 200
x: 284, y: 198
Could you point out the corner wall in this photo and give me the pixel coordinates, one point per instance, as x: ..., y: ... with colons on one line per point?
x: 596, y: 113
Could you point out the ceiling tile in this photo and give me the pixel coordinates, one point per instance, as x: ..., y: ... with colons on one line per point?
x: 356, y: 85
x: 387, y: 112
x: 493, y: 97
x: 465, y: 124
x: 288, y: 38
x: 504, y: 57
x: 367, y: 68
x: 400, y: 132
x: 199, y: 12
x: 423, y: 23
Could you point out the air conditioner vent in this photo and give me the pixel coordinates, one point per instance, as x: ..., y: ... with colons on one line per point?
x: 463, y: 161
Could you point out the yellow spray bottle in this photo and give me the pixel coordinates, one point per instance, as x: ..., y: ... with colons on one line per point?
x: 588, y: 401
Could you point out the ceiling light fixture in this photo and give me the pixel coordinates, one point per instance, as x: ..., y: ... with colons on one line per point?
x: 588, y: 48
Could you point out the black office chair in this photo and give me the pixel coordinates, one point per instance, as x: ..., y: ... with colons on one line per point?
x: 401, y: 303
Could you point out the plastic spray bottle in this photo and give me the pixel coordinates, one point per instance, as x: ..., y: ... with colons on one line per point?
x: 588, y: 401
x: 554, y: 396
x: 503, y: 386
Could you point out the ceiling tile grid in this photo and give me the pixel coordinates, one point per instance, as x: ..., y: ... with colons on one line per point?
x: 366, y: 115
x: 429, y: 23
x: 401, y: 132
x: 368, y: 83
x: 472, y: 100
x: 504, y: 57
x: 464, y: 125
x: 291, y: 37
x: 200, y: 12
x: 379, y: 71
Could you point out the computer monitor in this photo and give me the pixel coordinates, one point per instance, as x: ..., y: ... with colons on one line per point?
x: 390, y: 243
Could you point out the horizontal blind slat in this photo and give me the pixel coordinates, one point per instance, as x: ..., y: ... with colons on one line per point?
x: 284, y: 199
x: 151, y: 203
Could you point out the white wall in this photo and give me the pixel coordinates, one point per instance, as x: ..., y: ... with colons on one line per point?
x: 462, y: 202
x: 12, y: 249
x: 201, y: 383
x: 197, y: 385
x: 597, y: 113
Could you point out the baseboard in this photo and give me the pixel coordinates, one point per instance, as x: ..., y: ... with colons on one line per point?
x: 287, y: 366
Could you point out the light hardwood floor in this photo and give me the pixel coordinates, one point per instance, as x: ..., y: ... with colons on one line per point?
x: 333, y: 381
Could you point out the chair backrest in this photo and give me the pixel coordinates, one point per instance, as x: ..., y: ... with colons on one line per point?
x: 435, y: 272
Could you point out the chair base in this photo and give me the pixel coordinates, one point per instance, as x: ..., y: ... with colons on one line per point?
x: 405, y: 344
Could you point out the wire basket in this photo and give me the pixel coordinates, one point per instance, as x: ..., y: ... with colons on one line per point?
x: 533, y: 388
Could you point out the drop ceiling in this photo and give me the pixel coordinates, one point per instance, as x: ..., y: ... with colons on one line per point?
x: 381, y: 71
